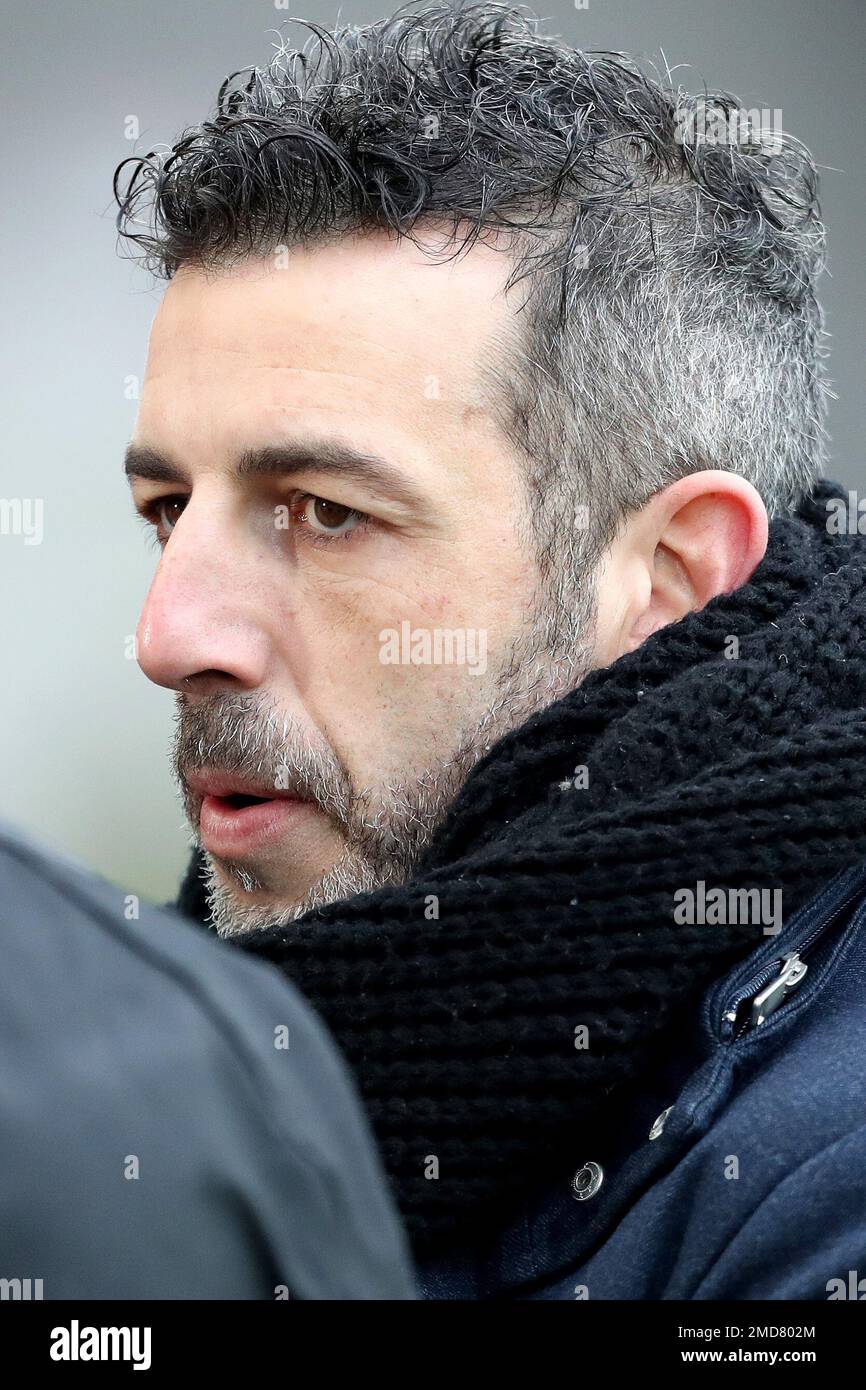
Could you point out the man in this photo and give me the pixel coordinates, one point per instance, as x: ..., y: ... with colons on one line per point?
x: 519, y: 667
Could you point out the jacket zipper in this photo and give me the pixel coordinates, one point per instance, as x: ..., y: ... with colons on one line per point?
x: 775, y: 982
x: 766, y: 991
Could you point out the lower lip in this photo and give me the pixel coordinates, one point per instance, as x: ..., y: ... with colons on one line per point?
x: 236, y: 830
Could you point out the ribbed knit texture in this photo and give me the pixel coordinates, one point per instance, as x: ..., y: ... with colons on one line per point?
x: 556, y: 904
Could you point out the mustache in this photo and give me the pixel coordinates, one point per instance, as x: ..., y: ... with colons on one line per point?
x: 248, y: 735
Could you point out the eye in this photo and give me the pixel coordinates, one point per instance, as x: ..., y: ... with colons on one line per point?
x: 163, y: 514
x: 327, y: 519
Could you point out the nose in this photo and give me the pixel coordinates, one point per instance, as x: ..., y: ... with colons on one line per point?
x: 200, y: 629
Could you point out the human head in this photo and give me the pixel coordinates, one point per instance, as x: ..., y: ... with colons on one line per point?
x: 517, y: 268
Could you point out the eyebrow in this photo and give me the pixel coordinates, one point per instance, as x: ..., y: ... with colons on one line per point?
x: 334, y: 457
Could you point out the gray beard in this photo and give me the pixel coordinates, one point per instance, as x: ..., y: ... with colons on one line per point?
x: 385, y: 831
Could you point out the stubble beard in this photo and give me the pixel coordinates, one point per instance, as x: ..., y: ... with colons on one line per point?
x: 386, y: 829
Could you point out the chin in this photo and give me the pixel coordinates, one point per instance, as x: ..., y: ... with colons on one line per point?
x: 240, y: 903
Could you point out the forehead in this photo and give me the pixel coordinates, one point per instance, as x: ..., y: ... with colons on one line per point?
x: 368, y: 323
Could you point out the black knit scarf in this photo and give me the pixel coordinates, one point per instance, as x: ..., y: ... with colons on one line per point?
x: 729, y: 749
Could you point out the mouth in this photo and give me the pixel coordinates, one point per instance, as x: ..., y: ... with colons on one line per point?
x: 236, y: 819
x: 238, y: 800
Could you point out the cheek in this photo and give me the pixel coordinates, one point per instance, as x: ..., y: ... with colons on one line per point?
x: 391, y: 710
x: 350, y: 610
x: 390, y: 670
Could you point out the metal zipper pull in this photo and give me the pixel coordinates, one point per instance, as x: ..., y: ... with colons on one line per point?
x: 771, y: 996
x: 659, y: 1123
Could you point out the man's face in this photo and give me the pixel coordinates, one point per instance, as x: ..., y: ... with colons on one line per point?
x: 351, y: 618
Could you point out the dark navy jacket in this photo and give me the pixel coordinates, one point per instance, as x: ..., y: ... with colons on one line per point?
x: 754, y: 1184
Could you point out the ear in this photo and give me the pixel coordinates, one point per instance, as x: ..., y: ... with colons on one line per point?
x: 702, y: 536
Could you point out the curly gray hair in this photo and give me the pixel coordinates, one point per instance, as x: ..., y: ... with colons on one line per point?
x: 668, y: 321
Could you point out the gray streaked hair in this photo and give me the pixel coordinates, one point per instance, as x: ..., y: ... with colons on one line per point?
x: 668, y: 320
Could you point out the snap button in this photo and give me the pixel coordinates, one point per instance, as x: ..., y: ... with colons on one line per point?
x: 587, y: 1180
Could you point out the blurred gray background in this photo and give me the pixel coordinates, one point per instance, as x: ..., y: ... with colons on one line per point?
x: 83, y: 736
